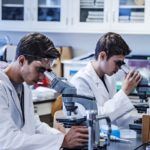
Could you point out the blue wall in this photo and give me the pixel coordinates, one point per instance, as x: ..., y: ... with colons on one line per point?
x: 82, y: 43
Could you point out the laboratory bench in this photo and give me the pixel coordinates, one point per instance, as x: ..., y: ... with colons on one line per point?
x: 132, y: 145
x: 116, y: 145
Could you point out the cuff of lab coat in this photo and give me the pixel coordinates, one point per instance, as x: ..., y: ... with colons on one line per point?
x: 60, y: 141
x: 124, y: 105
x: 126, y: 100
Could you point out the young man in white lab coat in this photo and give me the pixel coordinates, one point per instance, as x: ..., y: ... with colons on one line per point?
x: 97, y: 80
x: 20, y: 129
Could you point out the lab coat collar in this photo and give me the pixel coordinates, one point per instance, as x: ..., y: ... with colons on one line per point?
x: 5, y: 78
x: 97, y: 79
x: 93, y: 73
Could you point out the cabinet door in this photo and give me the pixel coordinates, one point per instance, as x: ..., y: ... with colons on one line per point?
x: 49, y: 15
x: 14, y: 13
x: 130, y: 16
x: 90, y: 16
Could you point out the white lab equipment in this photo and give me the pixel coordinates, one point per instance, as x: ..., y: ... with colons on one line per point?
x: 43, y: 93
x: 128, y: 134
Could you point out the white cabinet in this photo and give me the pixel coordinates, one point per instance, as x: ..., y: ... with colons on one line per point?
x: 33, y: 15
x: 90, y: 16
x: 122, y: 16
x: 49, y: 15
x: 83, y: 16
x: 130, y: 16
x: 14, y: 15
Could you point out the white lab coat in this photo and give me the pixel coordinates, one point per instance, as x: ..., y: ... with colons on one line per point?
x: 33, y: 135
x: 116, y: 106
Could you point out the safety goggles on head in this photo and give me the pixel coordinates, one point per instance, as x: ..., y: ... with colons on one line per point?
x: 119, y: 63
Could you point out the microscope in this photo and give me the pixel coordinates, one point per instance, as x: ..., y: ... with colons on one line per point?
x: 143, y: 92
x: 143, y: 88
x: 91, y: 120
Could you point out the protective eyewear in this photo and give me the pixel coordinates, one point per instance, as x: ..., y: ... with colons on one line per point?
x: 48, y: 61
x: 119, y: 63
x: 42, y: 70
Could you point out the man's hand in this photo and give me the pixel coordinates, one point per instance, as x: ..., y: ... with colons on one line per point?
x: 131, y: 81
x: 60, y: 127
x: 76, y: 137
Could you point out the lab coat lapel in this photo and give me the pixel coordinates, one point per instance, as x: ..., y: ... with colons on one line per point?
x: 16, y: 103
x: 15, y: 99
x: 110, y: 85
x: 13, y: 93
x: 102, y: 87
x: 98, y: 82
x: 28, y: 111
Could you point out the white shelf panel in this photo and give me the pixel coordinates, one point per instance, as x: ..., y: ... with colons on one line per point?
x: 49, y: 6
x: 12, y: 5
x: 132, y: 6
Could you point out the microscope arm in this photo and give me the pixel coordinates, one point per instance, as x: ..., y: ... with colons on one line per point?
x: 69, y: 92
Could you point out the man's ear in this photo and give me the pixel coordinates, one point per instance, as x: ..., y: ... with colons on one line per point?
x: 102, y: 55
x: 21, y: 60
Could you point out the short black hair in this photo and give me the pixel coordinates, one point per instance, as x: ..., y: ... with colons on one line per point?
x: 37, y: 45
x: 112, y: 44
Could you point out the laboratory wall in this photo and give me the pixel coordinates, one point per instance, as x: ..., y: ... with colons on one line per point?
x: 83, y: 43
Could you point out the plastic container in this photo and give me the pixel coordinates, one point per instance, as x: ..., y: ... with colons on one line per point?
x: 115, y: 130
x: 128, y: 134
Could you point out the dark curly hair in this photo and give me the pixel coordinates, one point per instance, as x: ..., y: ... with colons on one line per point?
x: 36, y: 45
x: 112, y: 44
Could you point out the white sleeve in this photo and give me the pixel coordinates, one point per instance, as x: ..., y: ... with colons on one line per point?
x: 116, y: 107
x: 13, y: 138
